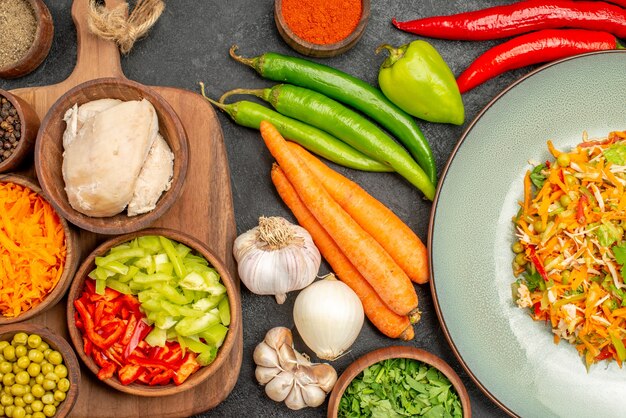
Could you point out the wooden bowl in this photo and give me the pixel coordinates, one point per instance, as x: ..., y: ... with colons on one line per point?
x: 49, y: 153
x: 396, y: 352
x: 38, y: 51
x: 316, y: 50
x: 29, y: 122
x: 203, y: 373
x: 59, y: 344
x: 72, y: 258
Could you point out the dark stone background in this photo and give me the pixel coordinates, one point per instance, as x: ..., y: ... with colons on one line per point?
x: 190, y: 44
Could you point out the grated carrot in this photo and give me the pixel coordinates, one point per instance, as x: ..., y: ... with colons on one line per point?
x: 32, y: 249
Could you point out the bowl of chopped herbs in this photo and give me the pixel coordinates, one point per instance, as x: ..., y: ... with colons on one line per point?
x: 399, y: 381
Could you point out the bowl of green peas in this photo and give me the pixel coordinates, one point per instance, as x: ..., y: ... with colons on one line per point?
x: 39, y: 373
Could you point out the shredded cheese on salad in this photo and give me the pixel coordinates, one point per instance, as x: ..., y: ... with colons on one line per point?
x: 570, y: 251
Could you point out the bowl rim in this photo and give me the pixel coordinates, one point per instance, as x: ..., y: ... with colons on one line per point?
x: 24, y: 145
x: 321, y: 50
x: 391, y: 352
x: 203, y: 373
x: 72, y: 256
x: 135, y: 223
x: 39, y: 49
x: 69, y: 359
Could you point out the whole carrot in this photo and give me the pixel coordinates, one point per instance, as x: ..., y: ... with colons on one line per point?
x: 376, y: 219
x: 370, y: 259
x: 387, y: 322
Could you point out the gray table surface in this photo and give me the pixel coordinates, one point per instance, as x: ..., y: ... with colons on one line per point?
x: 189, y: 44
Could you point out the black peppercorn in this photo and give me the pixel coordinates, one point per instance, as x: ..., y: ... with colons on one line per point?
x: 10, y: 127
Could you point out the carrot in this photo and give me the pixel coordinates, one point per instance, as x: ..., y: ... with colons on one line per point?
x: 375, y: 218
x: 370, y: 259
x: 32, y: 249
x: 387, y: 322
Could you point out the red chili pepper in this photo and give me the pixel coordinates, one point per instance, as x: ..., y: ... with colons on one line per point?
x: 537, y: 262
x: 533, y: 48
x: 605, y: 353
x: 580, y: 211
x: 521, y: 17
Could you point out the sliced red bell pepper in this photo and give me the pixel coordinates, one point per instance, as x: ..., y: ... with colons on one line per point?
x: 537, y: 263
x: 107, y: 371
x: 139, y: 333
x: 87, y: 346
x: 189, y: 366
x: 163, y: 378
x: 129, y: 373
x: 148, y: 362
x: 129, y: 331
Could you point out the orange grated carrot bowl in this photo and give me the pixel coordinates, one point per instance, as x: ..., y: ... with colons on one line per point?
x: 32, y: 249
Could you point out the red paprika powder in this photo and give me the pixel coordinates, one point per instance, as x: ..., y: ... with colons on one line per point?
x: 322, y: 22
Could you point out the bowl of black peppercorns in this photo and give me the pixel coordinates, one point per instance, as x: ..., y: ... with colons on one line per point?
x: 19, y: 124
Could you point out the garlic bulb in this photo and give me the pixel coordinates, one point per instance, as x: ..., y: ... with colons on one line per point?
x: 329, y: 317
x: 289, y: 376
x: 276, y: 257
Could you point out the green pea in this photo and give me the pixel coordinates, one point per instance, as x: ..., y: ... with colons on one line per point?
x: 37, y: 391
x: 63, y: 385
x: 49, y: 384
x: 35, y: 356
x: 571, y: 180
x: 563, y: 160
x: 520, y: 259
x: 538, y: 226
x: 47, y: 351
x: 28, y: 410
x: 47, y: 399
x: 8, y: 410
x: 34, y: 340
x: 21, y: 351
x: 6, y: 399
x: 60, y: 370
x: 5, y: 367
x: 38, y: 414
x: 37, y: 405
x: 46, y: 368
x: 33, y: 369
x: 2, y: 357
x: 17, y: 390
x: 55, y: 358
x: 16, y: 369
x: 59, y: 395
x: 2, y: 411
x: 49, y: 410
x: 23, y: 378
x: 43, y: 346
x: 19, y: 412
x: 8, y: 379
x: 23, y: 362
x: 3, y: 344
x: 9, y: 353
x: 39, y: 379
x: 517, y: 247
x: 565, y: 200
x: 19, y: 401
x: 28, y: 399
x: 21, y: 338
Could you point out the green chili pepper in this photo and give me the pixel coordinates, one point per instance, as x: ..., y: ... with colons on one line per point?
x: 250, y: 115
x: 325, y: 113
x: 417, y: 79
x: 348, y: 90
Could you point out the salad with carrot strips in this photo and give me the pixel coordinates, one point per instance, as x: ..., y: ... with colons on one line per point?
x: 570, y: 248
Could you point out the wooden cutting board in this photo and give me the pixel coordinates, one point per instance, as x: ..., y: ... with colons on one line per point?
x: 204, y: 210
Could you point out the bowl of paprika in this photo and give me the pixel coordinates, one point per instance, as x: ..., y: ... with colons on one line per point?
x: 319, y: 28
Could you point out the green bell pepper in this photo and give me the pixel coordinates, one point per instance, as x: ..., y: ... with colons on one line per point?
x: 417, y: 79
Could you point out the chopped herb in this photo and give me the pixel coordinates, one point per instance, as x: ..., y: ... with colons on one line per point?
x: 400, y: 388
x: 620, y: 256
x: 537, y: 177
x: 533, y: 281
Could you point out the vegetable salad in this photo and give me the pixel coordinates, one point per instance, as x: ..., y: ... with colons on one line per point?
x: 571, y: 249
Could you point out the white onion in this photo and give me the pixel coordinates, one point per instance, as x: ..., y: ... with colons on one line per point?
x: 329, y: 317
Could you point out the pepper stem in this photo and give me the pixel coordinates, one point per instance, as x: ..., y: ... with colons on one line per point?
x: 260, y: 93
x: 230, y: 109
x: 251, y: 62
x: 394, y: 54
